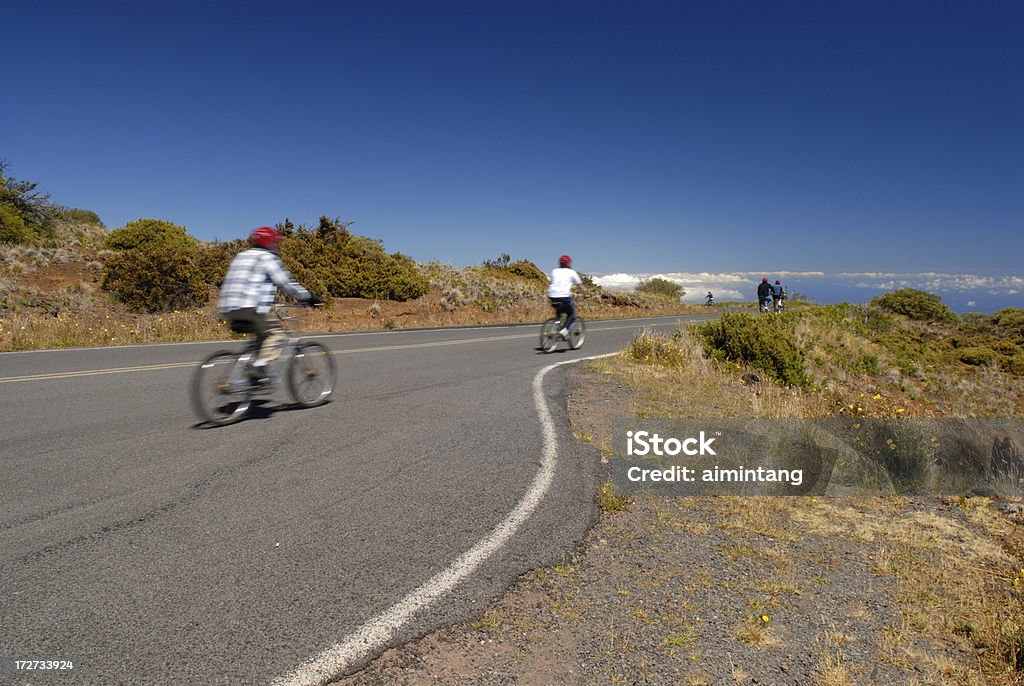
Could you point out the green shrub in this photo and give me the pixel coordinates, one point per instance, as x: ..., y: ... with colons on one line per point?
x: 73, y: 214
x: 145, y: 234
x: 872, y: 320
x: 527, y: 270
x: 212, y: 260
x: 330, y: 260
x: 1011, y: 321
x: 156, y: 280
x: 503, y: 267
x: 1014, y: 364
x: 766, y: 343
x: 915, y: 304
x: 978, y: 356
x: 663, y: 287
x: 12, y: 226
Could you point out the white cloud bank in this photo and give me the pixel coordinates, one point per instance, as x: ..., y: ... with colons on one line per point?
x: 732, y: 286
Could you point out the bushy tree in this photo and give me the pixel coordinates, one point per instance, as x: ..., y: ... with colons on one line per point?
x: 146, y: 234
x: 663, y: 287
x: 26, y: 213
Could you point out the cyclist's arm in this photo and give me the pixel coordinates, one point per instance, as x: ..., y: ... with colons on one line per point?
x: 578, y: 283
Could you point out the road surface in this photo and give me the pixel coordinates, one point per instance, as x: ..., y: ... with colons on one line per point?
x: 149, y: 550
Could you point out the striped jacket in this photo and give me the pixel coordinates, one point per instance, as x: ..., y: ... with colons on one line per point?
x: 252, y: 281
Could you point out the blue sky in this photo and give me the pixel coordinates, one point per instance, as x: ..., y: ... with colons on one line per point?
x: 639, y: 137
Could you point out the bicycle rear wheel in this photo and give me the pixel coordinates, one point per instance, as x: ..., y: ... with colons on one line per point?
x: 549, y: 335
x: 221, y: 390
x: 577, y: 334
x: 311, y: 375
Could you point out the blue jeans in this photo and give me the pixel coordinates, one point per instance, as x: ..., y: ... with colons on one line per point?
x: 565, y: 306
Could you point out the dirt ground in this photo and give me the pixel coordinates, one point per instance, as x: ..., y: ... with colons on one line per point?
x: 730, y: 590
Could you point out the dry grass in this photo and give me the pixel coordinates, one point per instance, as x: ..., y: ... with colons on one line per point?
x: 953, y: 568
x: 81, y: 316
x: 832, y: 669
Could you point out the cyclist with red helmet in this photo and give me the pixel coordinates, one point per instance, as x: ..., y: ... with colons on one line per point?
x: 562, y: 280
x: 778, y: 295
x: 249, y: 289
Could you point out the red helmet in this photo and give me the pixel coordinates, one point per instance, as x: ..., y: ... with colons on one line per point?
x: 265, y: 237
x: 564, y: 261
x: 764, y: 280
x: 777, y: 281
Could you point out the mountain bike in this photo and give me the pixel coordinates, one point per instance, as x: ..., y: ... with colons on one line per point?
x: 550, y: 338
x: 225, y: 383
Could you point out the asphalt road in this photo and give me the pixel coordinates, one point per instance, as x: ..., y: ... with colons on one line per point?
x: 149, y: 550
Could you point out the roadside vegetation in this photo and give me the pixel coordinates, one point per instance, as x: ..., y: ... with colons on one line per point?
x: 66, y: 280
x: 950, y: 568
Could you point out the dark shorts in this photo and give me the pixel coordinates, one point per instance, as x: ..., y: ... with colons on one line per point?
x: 564, y: 306
x: 248, y: 320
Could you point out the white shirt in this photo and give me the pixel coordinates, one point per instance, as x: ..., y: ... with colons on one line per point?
x: 562, y: 281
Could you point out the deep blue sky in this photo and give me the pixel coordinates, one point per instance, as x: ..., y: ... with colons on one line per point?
x: 636, y: 136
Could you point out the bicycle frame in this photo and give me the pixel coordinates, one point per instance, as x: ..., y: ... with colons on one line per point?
x: 286, y: 347
x: 224, y: 397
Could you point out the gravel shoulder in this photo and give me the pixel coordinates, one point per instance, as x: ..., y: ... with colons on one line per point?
x: 730, y: 590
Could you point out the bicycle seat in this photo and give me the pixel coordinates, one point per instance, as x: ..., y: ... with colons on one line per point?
x: 242, y: 327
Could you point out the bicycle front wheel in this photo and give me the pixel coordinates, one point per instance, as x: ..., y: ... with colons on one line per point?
x: 311, y: 375
x: 549, y: 335
x: 577, y: 334
x: 221, y: 391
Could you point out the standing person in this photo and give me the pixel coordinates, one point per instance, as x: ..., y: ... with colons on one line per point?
x: 764, y: 295
x: 778, y: 295
x: 249, y: 289
x: 560, y: 286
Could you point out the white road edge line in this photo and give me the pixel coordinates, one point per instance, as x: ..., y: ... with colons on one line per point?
x: 336, y: 660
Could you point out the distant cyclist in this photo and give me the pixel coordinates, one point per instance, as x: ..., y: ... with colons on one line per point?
x: 764, y: 295
x: 562, y: 280
x: 778, y: 295
x: 250, y: 288
x: 709, y: 300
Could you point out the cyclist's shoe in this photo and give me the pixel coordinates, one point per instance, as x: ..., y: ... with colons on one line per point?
x: 563, y: 333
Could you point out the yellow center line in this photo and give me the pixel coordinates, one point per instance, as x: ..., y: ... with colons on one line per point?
x: 178, y: 365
